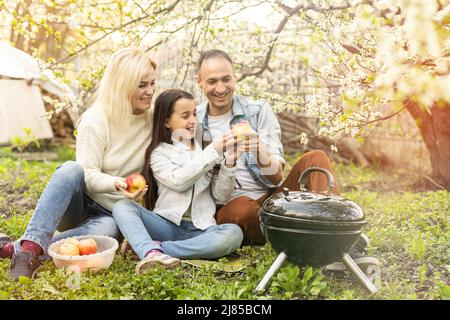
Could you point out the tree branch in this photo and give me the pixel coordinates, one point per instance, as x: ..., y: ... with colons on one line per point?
x: 280, y: 28
x: 289, y: 13
x: 165, y: 10
x: 388, y: 116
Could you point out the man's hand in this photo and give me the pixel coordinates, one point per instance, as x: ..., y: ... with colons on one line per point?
x: 250, y: 142
x: 271, y: 167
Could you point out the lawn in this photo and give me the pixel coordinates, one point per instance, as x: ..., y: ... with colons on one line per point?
x: 409, y: 232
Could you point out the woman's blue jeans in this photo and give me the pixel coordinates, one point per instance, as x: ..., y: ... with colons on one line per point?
x: 63, y: 206
x: 141, y: 227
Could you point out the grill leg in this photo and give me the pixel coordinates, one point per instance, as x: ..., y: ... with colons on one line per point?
x: 262, y: 286
x: 353, y: 267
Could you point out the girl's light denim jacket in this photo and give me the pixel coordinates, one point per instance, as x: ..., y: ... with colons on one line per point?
x: 183, y: 175
x: 262, y: 119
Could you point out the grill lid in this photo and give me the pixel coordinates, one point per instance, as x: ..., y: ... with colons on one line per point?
x: 313, y: 206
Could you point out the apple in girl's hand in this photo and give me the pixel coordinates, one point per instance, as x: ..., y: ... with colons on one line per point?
x: 68, y: 249
x: 135, y: 182
x: 87, y: 246
x: 241, y: 129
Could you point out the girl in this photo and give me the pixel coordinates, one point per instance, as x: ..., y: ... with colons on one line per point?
x: 182, y: 216
x: 112, y: 137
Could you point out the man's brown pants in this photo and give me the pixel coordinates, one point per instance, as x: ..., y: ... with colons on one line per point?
x: 244, y: 211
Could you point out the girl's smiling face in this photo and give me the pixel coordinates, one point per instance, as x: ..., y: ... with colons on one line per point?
x: 183, y: 120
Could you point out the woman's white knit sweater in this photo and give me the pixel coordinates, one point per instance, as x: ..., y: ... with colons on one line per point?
x: 107, y: 155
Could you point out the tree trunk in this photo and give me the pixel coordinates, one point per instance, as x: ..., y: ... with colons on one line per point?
x: 434, y: 125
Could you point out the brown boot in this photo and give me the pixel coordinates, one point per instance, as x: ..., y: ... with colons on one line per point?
x: 5, y: 240
x: 24, y: 264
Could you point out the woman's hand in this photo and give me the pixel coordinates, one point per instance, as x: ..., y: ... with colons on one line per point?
x: 136, y: 196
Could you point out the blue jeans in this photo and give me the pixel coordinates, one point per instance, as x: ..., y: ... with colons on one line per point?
x: 63, y: 206
x: 140, y: 226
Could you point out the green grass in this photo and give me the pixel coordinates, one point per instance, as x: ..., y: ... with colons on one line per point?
x: 409, y: 233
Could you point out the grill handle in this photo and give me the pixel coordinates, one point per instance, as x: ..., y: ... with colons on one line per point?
x: 305, y: 174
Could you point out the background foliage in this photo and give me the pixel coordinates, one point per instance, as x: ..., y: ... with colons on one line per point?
x: 409, y: 233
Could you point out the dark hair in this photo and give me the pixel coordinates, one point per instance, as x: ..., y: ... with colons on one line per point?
x: 214, y: 53
x: 163, y: 109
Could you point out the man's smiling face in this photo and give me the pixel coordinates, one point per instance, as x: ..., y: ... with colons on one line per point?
x: 217, y: 80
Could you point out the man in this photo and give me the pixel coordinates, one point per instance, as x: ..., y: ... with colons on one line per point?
x: 259, y: 171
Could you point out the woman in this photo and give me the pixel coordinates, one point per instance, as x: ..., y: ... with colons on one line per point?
x: 112, y: 136
x: 181, y: 193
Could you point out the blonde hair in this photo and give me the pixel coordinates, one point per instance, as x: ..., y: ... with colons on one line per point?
x: 121, y: 79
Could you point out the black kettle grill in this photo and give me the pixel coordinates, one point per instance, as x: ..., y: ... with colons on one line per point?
x: 313, y: 229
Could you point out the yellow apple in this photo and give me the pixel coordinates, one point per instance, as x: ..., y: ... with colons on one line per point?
x: 241, y: 130
x: 68, y: 249
x: 72, y: 241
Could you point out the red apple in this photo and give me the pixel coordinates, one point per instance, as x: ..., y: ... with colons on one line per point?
x: 68, y: 249
x: 135, y: 182
x: 241, y: 129
x: 87, y: 246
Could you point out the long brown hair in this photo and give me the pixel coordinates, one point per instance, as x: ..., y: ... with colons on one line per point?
x: 164, y: 105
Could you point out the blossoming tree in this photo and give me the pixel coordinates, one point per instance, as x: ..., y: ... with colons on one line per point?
x: 370, y: 53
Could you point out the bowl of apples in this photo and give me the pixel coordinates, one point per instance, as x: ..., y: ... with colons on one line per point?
x: 82, y: 253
